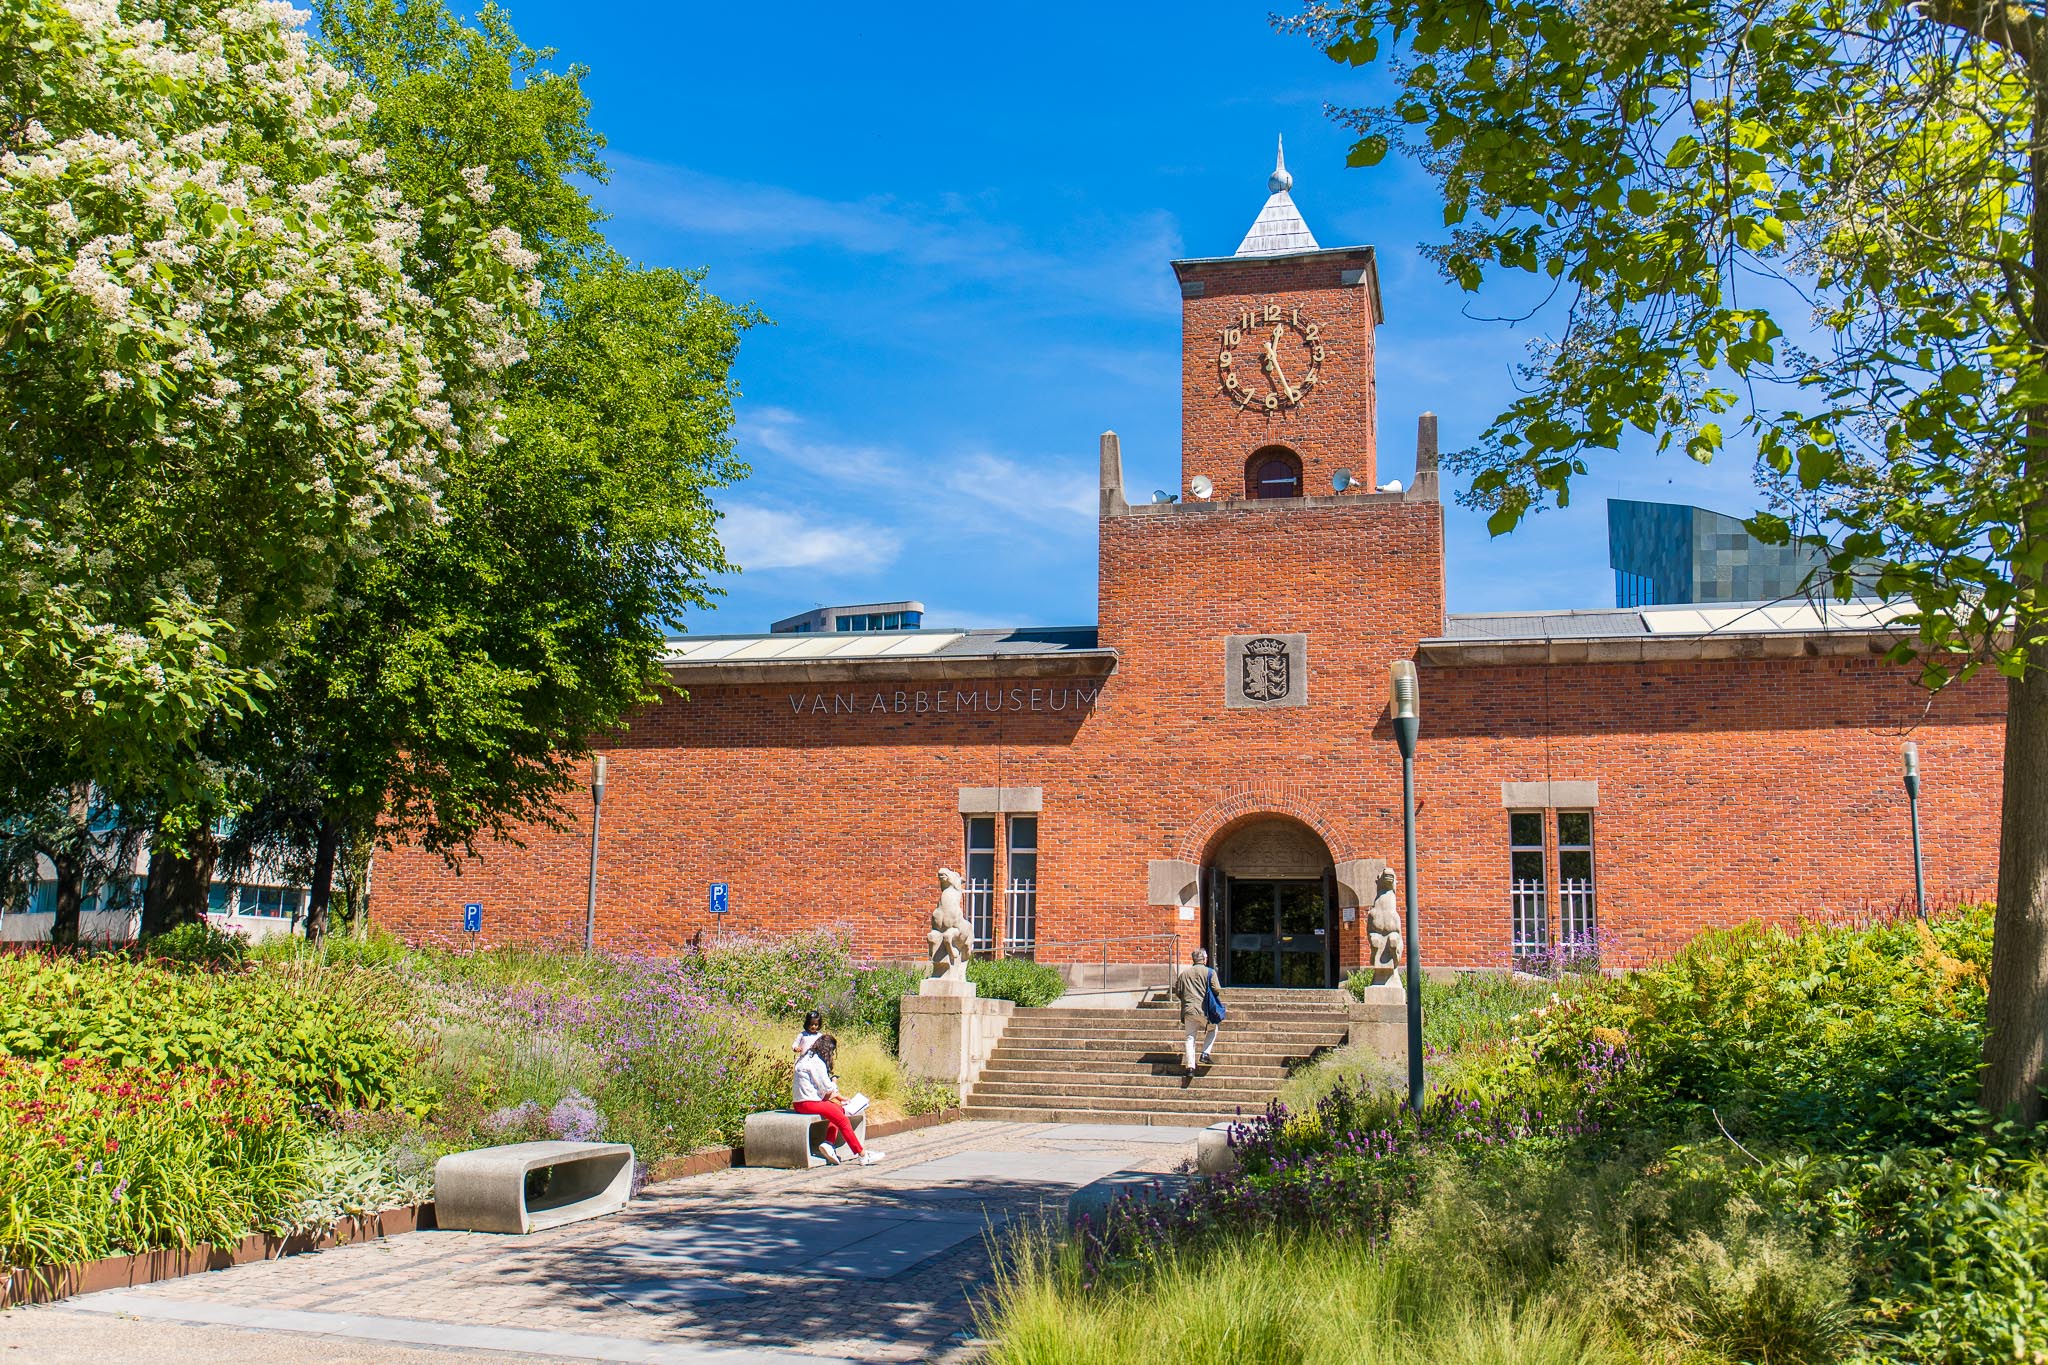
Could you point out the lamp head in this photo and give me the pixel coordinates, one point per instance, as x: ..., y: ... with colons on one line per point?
x: 1404, y: 701
x: 1910, y: 757
x: 597, y: 777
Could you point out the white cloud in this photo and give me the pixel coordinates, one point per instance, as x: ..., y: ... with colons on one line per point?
x: 1107, y: 260
x: 977, y: 488
x: 771, y: 538
x: 1041, y: 491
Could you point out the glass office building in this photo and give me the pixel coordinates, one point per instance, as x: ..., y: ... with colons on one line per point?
x: 1669, y: 554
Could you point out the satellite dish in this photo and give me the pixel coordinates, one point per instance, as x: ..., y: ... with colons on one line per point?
x: 1161, y: 495
x: 1341, y: 480
x: 1391, y: 486
x: 1201, y: 487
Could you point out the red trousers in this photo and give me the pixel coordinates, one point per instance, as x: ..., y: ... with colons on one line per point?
x: 835, y: 1119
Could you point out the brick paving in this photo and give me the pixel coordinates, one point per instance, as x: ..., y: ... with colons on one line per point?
x: 880, y: 1264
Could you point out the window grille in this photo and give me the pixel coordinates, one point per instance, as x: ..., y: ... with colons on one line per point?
x: 1528, y: 917
x: 978, y: 896
x: 1020, y: 923
x: 1578, y: 921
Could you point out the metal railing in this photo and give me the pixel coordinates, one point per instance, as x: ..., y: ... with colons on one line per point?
x: 1020, y: 925
x: 978, y: 900
x: 1167, y: 946
x: 1575, y: 911
x: 1529, y: 926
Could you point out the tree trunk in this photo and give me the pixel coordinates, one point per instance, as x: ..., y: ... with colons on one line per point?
x: 2016, y: 1014
x: 70, y: 873
x: 321, y: 892
x: 179, y: 883
x: 2016, y: 1017
x: 67, y: 864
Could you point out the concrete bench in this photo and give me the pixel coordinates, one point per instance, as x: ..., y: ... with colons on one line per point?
x: 527, y: 1186
x: 789, y: 1141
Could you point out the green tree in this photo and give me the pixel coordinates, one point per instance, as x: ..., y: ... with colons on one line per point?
x: 1814, y: 226
x: 452, y: 686
x: 226, y: 377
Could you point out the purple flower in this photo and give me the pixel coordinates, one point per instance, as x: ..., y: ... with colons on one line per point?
x: 120, y: 1191
x: 575, y: 1118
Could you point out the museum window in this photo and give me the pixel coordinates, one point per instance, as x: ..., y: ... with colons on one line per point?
x: 979, y: 894
x: 1578, y: 922
x: 1272, y: 472
x: 1020, y: 928
x: 1528, y: 913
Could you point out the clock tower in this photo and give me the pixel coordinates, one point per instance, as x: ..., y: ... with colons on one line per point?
x: 1277, y: 361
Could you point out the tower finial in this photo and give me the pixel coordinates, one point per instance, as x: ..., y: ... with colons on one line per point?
x: 1279, y: 182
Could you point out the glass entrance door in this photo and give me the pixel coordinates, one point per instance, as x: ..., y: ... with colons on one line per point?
x: 1278, y: 934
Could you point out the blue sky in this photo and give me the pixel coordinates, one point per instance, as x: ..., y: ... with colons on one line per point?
x: 959, y: 219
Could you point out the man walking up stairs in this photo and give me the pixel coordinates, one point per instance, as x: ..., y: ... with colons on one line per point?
x: 1126, y: 1065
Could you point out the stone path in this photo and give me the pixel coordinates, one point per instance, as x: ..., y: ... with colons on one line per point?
x: 739, y: 1267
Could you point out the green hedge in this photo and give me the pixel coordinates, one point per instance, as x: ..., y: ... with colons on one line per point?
x: 340, y: 1038
x: 1016, y: 978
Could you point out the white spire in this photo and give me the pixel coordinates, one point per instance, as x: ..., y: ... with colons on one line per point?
x: 1278, y: 228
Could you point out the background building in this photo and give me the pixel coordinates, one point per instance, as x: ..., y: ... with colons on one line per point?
x: 864, y: 617
x: 1669, y: 554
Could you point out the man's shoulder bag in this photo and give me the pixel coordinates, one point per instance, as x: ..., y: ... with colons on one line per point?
x: 1212, y: 1004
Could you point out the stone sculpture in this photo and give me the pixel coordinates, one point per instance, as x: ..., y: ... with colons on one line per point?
x: 1383, y: 929
x: 951, y: 941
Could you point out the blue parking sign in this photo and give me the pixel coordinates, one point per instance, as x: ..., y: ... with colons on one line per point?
x: 721, y: 896
x: 473, y: 917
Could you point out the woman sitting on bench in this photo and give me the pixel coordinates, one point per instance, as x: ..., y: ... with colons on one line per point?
x: 817, y: 1093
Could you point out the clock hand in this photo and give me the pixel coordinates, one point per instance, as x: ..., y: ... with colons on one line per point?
x: 1273, y: 354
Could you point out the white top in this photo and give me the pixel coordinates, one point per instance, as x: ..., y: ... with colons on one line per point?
x: 813, y: 1081
x: 803, y: 1042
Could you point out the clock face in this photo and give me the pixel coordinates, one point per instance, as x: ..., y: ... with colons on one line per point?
x: 1269, y: 357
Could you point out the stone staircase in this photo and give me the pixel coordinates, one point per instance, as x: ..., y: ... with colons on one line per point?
x: 1085, y: 1065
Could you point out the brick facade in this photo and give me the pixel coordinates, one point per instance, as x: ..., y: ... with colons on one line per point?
x: 1726, y: 786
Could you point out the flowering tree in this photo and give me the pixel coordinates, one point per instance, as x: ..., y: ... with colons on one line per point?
x: 450, y: 688
x: 227, y: 373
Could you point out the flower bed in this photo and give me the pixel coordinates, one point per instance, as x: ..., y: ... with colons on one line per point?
x: 104, y: 1159
x: 1764, y: 1150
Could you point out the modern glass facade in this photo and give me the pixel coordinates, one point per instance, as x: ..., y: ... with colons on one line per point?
x: 1669, y: 554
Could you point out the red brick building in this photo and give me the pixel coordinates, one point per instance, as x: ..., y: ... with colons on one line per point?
x: 1211, y: 762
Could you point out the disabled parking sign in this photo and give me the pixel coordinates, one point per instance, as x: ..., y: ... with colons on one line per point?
x: 473, y: 917
x: 721, y: 898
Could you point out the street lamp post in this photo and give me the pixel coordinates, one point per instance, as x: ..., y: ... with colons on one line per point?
x: 1911, y: 757
x: 1404, y: 707
x: 596, y: 819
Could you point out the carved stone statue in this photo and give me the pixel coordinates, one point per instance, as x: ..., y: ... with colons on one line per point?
x: 1383, y: 929
x: 952, y: 943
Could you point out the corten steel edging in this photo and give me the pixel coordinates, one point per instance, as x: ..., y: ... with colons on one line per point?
x: 1099, y: 663
x: 1652, y: 649
x: 45, y: 1284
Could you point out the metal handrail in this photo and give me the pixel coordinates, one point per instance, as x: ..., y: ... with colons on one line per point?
x: 1034, y: 949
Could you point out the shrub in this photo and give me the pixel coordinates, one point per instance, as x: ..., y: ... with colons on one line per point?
x: 350, y: 1178
x: 340, y: 1039
x: 873, y: 1001
x: 783, y: 974
x: 197, y: 944
x: 929, y: 1097
x: 1030, y: 984
x: 1849, y: 1038
x: 103, y: 1159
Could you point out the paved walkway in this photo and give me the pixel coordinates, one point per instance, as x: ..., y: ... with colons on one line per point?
x: 739, y: 1267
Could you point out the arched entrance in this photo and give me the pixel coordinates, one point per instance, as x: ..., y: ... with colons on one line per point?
x: 1271, y: 902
